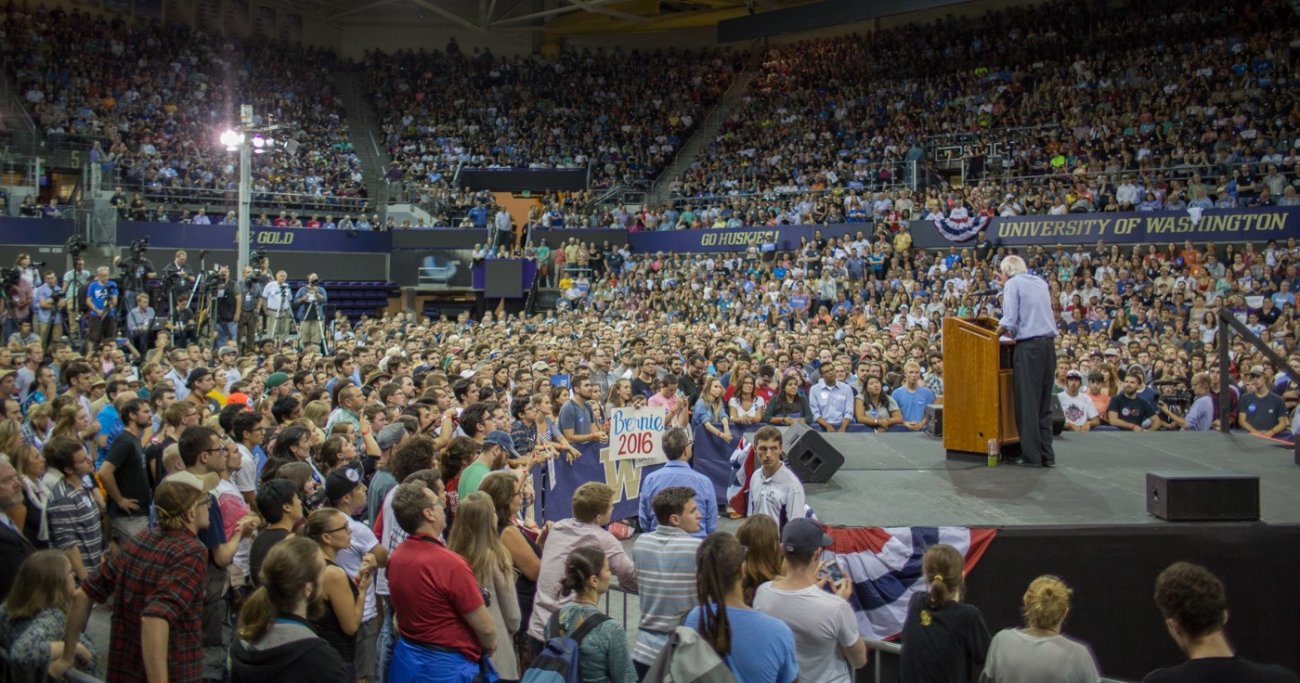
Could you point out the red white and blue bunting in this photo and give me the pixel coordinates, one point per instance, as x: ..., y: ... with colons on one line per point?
x: 960, y: 226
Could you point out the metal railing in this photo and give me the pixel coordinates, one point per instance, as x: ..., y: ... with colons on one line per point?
x: 993, y: 136
x: 886, y: 648
x: 901, y: 174
x: 1228, y: 324
x: 224, y: 200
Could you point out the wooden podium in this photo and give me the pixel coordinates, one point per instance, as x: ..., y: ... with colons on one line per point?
x: 978, y: 395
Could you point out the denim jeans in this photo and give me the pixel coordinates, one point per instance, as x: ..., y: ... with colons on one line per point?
x: 226, y: 332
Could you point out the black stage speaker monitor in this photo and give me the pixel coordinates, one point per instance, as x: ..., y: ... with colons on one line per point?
x: 808, y: 455
x: 934, y: 425
x: 1203, y: 496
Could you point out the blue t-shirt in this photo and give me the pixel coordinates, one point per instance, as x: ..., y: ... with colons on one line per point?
x: 765, y: 645
x: 575, y: 417
x: 101, y: 295
x: 912, y: 403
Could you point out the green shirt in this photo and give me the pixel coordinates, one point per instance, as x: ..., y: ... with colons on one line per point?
x: 470, y: 477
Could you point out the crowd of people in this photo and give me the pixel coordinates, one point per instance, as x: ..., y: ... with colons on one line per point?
x: 621, y: 113
x: 1046, y: 118
x: 1049, y: 121
x: 152, y: 100
x: 386, y: 540
x: 351, y: 534
x: 316, y: 500
x: 407, y: 444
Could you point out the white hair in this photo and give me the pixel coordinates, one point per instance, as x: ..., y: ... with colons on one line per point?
x: 1013, y: 265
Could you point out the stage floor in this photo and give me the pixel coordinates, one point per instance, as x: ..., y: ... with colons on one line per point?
x: 1099, y: 479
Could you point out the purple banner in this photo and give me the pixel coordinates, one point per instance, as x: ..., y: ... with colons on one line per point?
x: 1135, y: 227
x: 563, y: 478
x: 780, y: 238
x: 35, y: 230
x: 184, y: 236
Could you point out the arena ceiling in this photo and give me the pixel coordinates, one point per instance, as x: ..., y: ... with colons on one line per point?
x: 562, y: 17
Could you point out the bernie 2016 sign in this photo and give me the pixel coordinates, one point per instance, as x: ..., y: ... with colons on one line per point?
x: 637, y: 434
x: 1156, y: 227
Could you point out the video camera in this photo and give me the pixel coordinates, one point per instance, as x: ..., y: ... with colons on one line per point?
x: 10, y: 276
x: 213, y: 279
x: 75, y: 245
x: 139, y: 246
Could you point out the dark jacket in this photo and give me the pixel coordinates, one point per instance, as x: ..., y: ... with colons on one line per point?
x: 290, y: 652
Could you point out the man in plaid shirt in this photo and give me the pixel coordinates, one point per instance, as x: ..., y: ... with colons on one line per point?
x: 156, y: 583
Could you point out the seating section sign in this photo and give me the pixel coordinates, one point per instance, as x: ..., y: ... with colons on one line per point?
x: 637, y: 434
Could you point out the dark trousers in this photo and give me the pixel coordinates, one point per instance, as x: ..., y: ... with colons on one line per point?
x: 1034, y: 361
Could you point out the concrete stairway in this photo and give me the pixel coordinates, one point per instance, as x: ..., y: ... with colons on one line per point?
x: 363, y: 128
x: 706, y: 133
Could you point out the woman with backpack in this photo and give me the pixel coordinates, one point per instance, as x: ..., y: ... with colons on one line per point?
x: 603, y: 655
x: 723, y: 617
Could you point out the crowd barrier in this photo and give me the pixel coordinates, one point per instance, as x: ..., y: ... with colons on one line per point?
x: 556, y: 480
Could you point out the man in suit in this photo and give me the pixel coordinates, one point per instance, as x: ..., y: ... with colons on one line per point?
x: 14, y: 547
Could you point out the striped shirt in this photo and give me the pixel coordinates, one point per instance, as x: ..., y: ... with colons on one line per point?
x: 74, y: 522
x: 665, y: 572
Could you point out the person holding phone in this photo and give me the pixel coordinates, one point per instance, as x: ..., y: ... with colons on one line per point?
x: 826, y: 638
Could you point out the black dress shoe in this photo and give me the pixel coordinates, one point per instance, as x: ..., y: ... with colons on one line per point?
x: 1049, y: 464
x: 1024, y: 463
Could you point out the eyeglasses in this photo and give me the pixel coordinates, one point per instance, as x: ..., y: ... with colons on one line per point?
x: 345, y: 527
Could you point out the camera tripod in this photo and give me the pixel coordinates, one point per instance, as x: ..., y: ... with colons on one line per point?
x: 283, y: 325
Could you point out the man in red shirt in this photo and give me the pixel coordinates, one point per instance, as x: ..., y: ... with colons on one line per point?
x: 443, y: 621
x: 156, y: 583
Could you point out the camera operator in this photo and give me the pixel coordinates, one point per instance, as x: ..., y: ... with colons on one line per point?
x: 277, y: 301
x: 101, y: 304
x: 74, y: 287
x: 250, y: 309
x: 48, y: 311
x: 179, y: 276
x: 311, y: 300
x: 76, y: 278
x: 136, y: 269
x: 229, y: 305
x: 31, y: 270
x: 18, y: 299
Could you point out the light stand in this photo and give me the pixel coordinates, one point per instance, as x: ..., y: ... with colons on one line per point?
x: 244, y: 140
